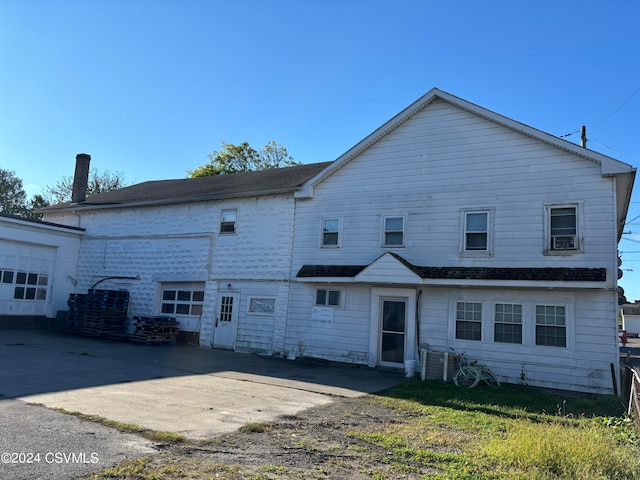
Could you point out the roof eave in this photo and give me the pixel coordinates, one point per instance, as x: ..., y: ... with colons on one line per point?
x: 167, y: 201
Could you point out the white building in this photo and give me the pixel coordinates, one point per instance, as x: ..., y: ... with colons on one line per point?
x: 450, y: 226
x: 37, y: 270
x: 214, y: 252
x: 454, y: 227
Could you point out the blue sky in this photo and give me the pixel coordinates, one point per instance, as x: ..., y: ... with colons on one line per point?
x: 149, y: 87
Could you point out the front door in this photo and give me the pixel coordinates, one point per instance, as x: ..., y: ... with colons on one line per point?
x: 224, y: 334
x: 393, y: 324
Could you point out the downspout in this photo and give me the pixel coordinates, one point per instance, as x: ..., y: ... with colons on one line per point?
x: 615, y: 366
x: 288, y: 281
x: 418, y: 344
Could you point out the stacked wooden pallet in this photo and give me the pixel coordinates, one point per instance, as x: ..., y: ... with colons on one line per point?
x: 100, y: 313
x: 76, y: 303
x: 154, y: 330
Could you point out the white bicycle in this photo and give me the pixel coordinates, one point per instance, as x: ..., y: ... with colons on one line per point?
x: 471, y: 374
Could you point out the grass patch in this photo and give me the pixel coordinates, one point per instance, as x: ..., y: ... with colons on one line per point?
x: 167, y: 438
x: 511, y: 433
x: 254, y: 427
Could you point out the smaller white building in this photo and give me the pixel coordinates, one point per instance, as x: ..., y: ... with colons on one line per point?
x: 631, y: 318
x: 37, y: 268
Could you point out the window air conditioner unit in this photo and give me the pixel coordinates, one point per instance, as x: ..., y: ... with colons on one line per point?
x: 564, y: 242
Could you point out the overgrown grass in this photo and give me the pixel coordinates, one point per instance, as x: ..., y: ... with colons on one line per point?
x: 510, y: 433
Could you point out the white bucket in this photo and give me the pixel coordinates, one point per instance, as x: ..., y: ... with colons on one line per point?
x: 409, y: 368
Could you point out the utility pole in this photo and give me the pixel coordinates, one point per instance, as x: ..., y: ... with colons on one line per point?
x: 583, y: 136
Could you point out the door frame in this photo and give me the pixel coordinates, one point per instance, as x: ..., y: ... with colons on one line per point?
x: 375, y: 334
x: 234, y: 318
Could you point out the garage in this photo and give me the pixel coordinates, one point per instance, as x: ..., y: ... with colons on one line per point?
x: 25, y: 271
x: 37, y: 269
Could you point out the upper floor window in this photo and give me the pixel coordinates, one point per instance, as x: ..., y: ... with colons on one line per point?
x: 228, y: 219
x: 330, y: 232
x: 563, y: 228
x: 469, y: 320
x: 551, y: 325
x: 476, y: 236
x: 393, y: 234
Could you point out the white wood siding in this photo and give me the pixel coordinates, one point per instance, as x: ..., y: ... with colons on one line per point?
x: 441, y: 161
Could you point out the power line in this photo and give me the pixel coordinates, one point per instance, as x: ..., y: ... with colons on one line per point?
x: 617, y: 109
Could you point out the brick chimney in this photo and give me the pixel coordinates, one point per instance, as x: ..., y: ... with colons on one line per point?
x: 81, y: 178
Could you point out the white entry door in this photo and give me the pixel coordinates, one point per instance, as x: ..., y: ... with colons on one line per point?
x: 226, y: 324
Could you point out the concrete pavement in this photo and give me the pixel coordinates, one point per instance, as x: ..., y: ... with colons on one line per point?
x: 197, y: 392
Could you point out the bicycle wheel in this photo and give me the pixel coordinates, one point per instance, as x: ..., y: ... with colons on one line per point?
x: 467, y: 377
x: 489, y: 378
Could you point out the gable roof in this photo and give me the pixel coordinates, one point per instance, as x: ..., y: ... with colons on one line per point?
x: 624, y: 173
x: 163, y: 192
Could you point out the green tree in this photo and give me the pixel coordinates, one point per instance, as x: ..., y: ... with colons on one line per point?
x: 13, y: 199
x: 98, y: 182
x: 36, y: 202
x: 243, y: 158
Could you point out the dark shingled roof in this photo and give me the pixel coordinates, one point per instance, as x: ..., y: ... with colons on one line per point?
x: 468, y: 273
x: 262, y: 182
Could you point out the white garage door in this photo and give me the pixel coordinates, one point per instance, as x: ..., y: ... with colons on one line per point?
x: 25, y: 278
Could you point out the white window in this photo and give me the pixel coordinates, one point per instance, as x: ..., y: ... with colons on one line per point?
x: 507, y: 323
x: 469, y: 320
x: 476, y: 238
x: 393, y: 231
x: 264, y: 306
x: 330, y: 232
x: 551, y: 325
x: 328, y: 298
x: 182, y: 299
x: 228, y: 219
x: 476, y: 230
x: 563, y: 228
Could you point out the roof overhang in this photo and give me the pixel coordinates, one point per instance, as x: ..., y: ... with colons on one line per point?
x: 391, y: 269
x: 26, y: 223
